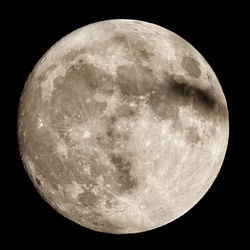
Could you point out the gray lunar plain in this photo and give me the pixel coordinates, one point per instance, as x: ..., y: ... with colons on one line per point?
x: 122, y: 126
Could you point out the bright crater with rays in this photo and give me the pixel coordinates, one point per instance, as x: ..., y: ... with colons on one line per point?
x: 122, y: 126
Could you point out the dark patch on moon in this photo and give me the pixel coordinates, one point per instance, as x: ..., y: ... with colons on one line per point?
x: 192, y: 135
x: 191, y: 66
x: 135, y: 49
x: 187, y: 92
x: 71, y: 93
x: 100, y: 222
x: 76, y: 52
x: 38, y: 182
x: 123, y: 167
x: 134, y: 79
x: 88, y: 199
x: 44, y: 75
x: 176, y: 91
x: 90, y: 75
x: 162, y: 103
x: 142, y: 53
x: 113, y: 134
x: 110, y: 132
x: 119, y: 39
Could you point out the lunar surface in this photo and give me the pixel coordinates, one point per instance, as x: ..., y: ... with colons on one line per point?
x: 122, y: 126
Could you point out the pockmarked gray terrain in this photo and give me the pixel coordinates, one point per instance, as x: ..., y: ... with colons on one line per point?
x: 122, y: 126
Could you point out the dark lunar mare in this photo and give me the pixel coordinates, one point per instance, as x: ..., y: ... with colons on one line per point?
x: 191, y: 66
x: 176, y: 91
x: 123, y: 166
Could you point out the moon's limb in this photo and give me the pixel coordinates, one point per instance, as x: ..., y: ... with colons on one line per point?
x: 125, y: 133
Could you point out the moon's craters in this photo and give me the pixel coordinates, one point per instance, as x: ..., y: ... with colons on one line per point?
x: 120, y: 128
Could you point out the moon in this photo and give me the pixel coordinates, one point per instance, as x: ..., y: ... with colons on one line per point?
x: 122, y: 126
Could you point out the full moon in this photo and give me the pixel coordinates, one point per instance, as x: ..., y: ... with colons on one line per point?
x: 122, y: 126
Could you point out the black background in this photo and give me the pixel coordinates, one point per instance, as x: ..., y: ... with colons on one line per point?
x: 31, y: 31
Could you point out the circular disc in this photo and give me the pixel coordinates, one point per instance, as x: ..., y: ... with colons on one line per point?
x: 122, y: 126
